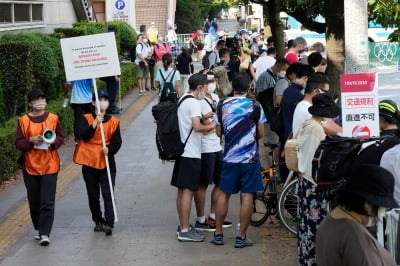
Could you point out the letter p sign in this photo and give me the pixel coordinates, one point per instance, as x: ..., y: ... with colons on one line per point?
x: 120, y: 4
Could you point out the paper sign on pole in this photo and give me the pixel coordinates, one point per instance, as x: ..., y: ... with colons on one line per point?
x: 90, y: 56
x: 360, y: 114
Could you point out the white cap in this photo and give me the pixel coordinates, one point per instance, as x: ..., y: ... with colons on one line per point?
x: 221, y: 33
x: 255, y: 34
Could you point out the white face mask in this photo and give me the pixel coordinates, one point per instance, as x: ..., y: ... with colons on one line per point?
x: 201, y: 95
x: 211, y: 87
x: 282, y: 74
x: 372, y: 220
x: 103, y: 105
x: 260, y: 43
x: 160, y: 39
x: 145, y: 40
x: 39, y: 104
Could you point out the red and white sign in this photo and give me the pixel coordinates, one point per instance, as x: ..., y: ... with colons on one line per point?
x: 90, y: 56
x: 360, y: 114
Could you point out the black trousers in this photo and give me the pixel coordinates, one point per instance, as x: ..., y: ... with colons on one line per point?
x: 79, y: 110
x: 95, y: 181
x: 41, y: 192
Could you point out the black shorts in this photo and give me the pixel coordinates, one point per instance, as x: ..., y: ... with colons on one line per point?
x: 186, y: 173
x: 211, y: 167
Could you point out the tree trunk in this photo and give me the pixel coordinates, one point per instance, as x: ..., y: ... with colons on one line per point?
x: 334, y: 17
x: 335, y: 43
x: 274, y: 8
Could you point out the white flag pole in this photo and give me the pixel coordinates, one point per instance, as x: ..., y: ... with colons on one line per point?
x: 105, y: 156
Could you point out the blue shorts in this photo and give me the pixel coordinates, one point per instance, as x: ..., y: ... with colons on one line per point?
x: 211, y: 166
x: 244, y: 177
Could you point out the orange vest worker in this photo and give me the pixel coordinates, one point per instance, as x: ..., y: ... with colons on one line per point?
x: 40, y: 162
x: 90, y: 152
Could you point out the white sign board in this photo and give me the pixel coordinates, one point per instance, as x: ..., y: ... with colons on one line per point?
x: 360, y: 114
x: 90, y: 56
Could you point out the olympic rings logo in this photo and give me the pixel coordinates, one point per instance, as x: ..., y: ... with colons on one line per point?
x: 385, y: 51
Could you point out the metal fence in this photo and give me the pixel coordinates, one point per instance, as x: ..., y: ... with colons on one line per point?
x: 383, y: 54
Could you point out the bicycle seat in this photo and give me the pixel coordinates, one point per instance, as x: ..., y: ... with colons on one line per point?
x: 271, y: 145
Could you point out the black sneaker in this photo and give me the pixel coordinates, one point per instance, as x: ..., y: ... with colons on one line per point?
x: 107, y: 229
x: 204, y: 226
x: 211, y: 222
x: 98, y: 227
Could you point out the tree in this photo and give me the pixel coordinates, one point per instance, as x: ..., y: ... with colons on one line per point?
x: 385, y: 12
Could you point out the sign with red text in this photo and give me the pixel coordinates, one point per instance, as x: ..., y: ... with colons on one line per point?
x: 90, y: 56
x: 360, y: 114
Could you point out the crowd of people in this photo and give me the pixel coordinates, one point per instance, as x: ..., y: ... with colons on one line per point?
x: 234, y: 96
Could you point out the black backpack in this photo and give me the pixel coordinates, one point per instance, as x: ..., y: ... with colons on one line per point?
x: 168, y: 91
x: 133, y: 51
x: 334, y: 159
x: 276, y: 121
x: 168, y: 137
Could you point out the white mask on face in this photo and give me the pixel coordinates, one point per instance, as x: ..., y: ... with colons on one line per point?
x: 211, y: 87
x: 371, y: 221
x: 145, y: 40
x: 201, y: 95
x: 103, y: 105
x: 381, y: 213
x: 260, y: 43
x: 282, y: 74
x: 39, y: 104
x: 160, y: 39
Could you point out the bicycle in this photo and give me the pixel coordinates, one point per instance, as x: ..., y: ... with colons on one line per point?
x: 266, y: 202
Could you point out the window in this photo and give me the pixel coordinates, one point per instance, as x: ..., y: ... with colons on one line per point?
x: 5, y: 13
x: 17, y: 12
x: 37, y: 12
x: 22, y: 12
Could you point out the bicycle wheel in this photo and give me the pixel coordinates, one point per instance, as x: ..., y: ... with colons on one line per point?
x: 260, y: 207
x: 288, y: 207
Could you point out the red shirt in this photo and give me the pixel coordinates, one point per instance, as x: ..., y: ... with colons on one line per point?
x: 160, y: 50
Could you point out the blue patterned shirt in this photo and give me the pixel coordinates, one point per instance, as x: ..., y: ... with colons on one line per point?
x: 239, y: 128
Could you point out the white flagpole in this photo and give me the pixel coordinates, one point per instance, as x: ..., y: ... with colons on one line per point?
x: 105, y: 156
x: 119, y: 92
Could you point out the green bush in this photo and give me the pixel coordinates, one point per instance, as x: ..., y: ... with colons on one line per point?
x: 15, y: 64
x: 8, y: 153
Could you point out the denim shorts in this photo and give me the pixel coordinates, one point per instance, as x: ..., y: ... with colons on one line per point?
x: 243, y: 177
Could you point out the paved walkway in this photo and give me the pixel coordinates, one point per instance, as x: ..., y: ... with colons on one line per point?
x: 146, y: 231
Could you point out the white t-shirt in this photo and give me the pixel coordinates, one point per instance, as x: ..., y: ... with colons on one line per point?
x: 144, y: 49
x: 210, y: 142
x: 300, y: 115
x: 187, y: 110
x: 262, y: 64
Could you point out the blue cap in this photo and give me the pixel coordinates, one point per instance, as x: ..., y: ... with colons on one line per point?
x: 101, y: 93
x: 243, y: 31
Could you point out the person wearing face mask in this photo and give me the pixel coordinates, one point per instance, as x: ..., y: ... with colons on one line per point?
x: 311, y: 206
x: 342, y: 238
x: 211, y: 161
x: 187, y: 168
x: 160, y: 48
x: 143, y: 52
x: 40, y: 162
x: 317, y: 83
x: 90, y: 153
x: 293, y: 95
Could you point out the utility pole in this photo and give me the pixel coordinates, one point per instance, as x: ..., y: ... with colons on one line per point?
x: 356, y: 36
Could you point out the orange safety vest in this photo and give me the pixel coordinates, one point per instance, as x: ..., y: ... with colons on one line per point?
x: 90, y: 153
x: 36, y: 161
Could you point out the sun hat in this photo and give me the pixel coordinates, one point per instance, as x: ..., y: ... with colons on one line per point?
x: 101, y: 93
x: 374, y: 184
x: 198, y: 79
x: 324, y: 106
x: 35, y: 93
x: 388, y: 108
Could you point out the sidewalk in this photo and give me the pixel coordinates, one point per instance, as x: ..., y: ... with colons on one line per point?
x: 146, y: 231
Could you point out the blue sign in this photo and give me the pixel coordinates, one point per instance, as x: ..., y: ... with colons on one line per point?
x: 120, y: 4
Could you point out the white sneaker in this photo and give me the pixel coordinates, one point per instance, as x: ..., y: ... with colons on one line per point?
x: 44, y: 240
